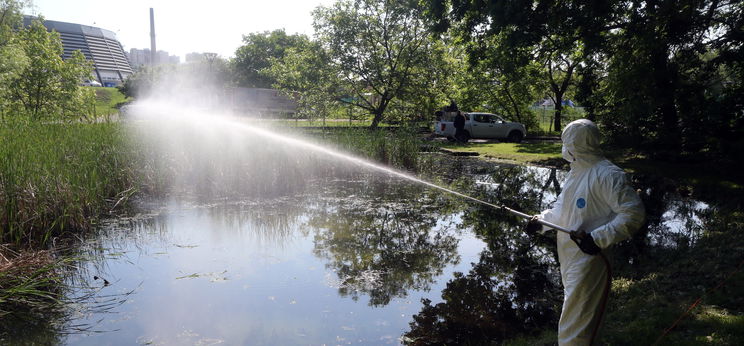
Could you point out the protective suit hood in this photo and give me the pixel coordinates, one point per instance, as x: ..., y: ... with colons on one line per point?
x: 581, y: 142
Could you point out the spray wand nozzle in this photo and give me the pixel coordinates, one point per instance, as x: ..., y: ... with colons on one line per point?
x: 528, y: 216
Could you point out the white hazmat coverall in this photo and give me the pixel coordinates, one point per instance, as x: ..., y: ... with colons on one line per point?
x: 597, y: 199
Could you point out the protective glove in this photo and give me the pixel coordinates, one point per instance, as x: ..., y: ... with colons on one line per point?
x: 585, y: 242
x: 532, y: 227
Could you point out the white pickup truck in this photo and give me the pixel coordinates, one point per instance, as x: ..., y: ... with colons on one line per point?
x: 481, y: 125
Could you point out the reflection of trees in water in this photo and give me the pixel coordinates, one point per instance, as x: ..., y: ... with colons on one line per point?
x: 496, y: 300
x: 385, y: 240
x: 514, y: 287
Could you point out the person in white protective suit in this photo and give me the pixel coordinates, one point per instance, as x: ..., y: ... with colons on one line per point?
x: 603, y: 209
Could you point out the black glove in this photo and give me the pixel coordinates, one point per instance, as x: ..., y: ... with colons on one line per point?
x: 585, y: 242
x: 532, y: 227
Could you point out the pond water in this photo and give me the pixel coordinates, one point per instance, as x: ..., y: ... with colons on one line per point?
x: 347, y: 256
x: 346, y: 261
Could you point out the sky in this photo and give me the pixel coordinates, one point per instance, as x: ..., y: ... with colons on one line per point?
x: 184, y: 26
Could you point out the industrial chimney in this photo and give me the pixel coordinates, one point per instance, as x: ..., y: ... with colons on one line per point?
x: 153, y: 50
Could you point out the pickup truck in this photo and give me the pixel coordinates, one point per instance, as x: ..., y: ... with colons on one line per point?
x: 481, y: 125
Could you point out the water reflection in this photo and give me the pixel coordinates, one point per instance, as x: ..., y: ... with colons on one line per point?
x: 343, y: 260
x: 385, y: 243
x: 514, y: 287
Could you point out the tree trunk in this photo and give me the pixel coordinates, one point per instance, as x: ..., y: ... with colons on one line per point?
x: 376, y: 120
x: 558, y: 112
x: 665, y: 100
x: 378, y: 112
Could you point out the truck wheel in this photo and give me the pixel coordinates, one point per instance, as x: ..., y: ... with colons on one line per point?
x: 515, y: 137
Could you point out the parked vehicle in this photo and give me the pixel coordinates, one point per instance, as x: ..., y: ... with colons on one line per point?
x: 481, y: 125
x: 93, y: 83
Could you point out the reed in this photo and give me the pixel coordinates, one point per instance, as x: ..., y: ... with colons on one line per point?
x: 398, y: 148
x: 58, y: 177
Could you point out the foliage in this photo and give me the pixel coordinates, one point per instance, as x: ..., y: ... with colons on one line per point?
x: 398, y: 148
x: 144, y: 81
x: 377, y: 47
x: 201, y: 80
x: 662, y: 77
x: 306, y: 75
x: 39, y: 83
x: 254, y: 58
x: 501, y: 81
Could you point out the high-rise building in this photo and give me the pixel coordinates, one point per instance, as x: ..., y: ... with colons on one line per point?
x: 143, y: 57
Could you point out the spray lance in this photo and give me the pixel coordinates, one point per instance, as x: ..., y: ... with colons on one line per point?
x: 502, y: 207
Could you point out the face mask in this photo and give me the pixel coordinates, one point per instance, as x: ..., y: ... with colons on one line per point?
x: 567, y: 154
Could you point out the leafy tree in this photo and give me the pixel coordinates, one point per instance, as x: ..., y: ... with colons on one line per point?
x: 253, y: 59
x: 44, y: 85
x: 518, y: 34
x: 306, y: 75
x: 12, y: 58
x: 377, y: 48
x: 500, y: 80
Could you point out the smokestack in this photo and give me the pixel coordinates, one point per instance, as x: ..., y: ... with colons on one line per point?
x: 153, y: 50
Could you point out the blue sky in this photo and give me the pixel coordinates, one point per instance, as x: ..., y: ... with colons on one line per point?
x: 184, y: 26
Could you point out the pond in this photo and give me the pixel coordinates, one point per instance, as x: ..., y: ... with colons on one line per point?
x: 344, y: 259
x: 344, y: 262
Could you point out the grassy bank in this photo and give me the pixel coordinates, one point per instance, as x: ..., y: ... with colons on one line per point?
x: 107, y: 101
x: 58, y: 177
x: 538, y: 153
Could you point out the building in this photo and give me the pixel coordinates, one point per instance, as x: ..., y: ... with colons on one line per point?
x: 142, y: 57
x: 260, y: 102
x: 98, y: 45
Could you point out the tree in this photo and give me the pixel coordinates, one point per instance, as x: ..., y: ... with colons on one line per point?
x: 253, y: 59
x: 305, y: 74
x: 524, y: 34
x: 45, y: 85
x: 503, y: 81
x: 376, y: 46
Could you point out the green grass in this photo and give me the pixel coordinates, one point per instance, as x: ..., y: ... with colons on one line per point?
x: 320, y: 123
x: 107, y: 100
x: 398, y: 148
x: 525, y: 152
x: 57, y: 177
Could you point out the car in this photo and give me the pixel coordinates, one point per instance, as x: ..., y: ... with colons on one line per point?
x: 481, y: 125
x: 93, y: 83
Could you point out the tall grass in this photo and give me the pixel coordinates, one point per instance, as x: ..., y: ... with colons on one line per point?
x: 398, y: 148
x: 57, y: 177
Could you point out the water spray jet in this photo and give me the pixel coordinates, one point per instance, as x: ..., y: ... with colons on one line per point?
x: 233, y: 123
